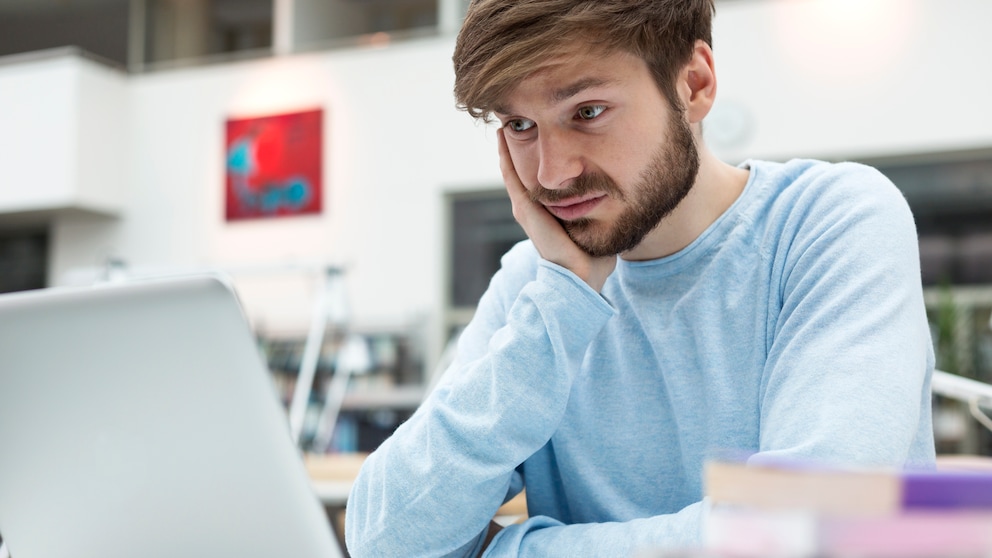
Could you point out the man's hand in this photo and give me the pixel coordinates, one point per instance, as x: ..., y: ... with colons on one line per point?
x: 547, y: 234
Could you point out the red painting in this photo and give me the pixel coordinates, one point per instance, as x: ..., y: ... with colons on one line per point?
x: 274, y: 165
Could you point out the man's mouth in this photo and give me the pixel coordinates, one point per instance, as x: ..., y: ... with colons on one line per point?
x: 574, y: 208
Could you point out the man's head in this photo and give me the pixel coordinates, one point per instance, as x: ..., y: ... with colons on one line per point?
x: 503, y: 41
x: 596, y: 98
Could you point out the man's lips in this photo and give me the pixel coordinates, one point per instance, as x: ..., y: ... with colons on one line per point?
x: 574, y: 208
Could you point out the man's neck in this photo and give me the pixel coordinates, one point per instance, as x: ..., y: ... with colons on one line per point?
x: 716, y: 188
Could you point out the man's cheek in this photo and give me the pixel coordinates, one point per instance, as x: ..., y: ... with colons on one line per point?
x: 526, y: 169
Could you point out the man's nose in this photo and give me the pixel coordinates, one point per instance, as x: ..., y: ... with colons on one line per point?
x: 560, y: 161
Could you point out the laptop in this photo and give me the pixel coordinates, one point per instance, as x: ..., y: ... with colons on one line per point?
x: 138, y: 420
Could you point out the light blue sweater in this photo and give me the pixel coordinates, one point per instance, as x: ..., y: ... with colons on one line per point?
x: 794, y: 326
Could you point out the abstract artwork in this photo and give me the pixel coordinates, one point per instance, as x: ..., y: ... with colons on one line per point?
x: 274, y: 165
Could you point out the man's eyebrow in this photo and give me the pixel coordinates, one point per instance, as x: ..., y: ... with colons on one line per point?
x: 562, y: 93
x: 573, y: 89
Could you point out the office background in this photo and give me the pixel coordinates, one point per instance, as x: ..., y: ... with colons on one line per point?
x: 112, y: 153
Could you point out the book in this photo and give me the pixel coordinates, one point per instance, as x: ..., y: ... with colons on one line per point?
x: 838, y: 491
x: 735, y: 531
x: 799, y: 510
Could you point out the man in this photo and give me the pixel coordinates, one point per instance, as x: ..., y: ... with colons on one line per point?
x: 667, y: 305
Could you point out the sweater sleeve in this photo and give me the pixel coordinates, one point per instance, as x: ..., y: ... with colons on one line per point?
x: 544, y: 537
x: 432, y: 488
x: 847, y: 378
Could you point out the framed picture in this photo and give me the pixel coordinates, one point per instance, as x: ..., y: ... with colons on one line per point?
x: 274, y: 165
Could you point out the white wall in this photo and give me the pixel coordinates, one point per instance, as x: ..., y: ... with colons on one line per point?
x: 856, y: 78
x: 101, y: 100
x: 61, y: 135
x: 38, y: 157
x: 796, y: 79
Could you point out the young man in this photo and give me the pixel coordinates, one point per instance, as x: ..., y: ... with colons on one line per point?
x: 667, y: 305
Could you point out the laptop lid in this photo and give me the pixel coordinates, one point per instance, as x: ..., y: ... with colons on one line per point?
x: 139, y: 420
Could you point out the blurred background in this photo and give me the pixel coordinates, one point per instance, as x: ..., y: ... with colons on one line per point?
x: 278, y: 139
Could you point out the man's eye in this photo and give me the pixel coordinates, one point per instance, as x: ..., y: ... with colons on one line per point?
x: 520, y: 125
x: 590, y: 112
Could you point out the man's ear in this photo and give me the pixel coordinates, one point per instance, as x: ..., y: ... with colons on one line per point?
x: 697, y: 83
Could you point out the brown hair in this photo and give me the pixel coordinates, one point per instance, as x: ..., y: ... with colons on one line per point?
x: 504, y: 41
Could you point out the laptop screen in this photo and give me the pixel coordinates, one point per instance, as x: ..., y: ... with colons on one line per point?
x: 140, y: 420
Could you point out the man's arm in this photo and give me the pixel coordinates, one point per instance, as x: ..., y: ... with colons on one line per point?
x: 444, y: 473
x: 850, y: 364
x: 432, y: 488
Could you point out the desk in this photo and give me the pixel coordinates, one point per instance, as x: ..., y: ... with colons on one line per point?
x: 333, y: 474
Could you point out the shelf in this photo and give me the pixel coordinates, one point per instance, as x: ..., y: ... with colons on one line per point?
x: 401, y: 397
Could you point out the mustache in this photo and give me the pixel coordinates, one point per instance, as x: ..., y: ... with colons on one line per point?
x: 586, y: 183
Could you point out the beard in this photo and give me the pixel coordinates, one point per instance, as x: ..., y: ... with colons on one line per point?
x: 659, y: 189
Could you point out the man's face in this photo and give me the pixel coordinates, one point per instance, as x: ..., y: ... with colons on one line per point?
x: 596, y: 143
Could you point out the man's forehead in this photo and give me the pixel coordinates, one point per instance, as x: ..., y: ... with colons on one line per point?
x: 562, y: 77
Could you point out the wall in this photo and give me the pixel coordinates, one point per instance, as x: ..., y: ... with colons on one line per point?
x: 100, y: 101
x: 61, y: 117
x: 796, y: 78
x: 856, y: 78
x: 36, y: 154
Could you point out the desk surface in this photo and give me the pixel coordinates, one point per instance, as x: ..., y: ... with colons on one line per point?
x: 333, y: 474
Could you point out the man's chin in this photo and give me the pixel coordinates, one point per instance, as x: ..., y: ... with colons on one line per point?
x: 599, y: 241
x: 595, y: 247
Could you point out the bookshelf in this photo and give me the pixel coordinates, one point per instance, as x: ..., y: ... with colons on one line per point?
x: 376, y: 401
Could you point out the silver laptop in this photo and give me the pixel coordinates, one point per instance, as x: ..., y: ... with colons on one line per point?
x: 138, y: 420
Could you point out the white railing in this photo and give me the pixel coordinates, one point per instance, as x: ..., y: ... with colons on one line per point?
x: 976, y: 394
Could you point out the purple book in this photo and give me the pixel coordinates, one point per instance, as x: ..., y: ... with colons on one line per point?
x: 946, y: 489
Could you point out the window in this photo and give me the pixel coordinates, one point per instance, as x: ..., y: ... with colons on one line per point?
x: 149, y: 34
x: 318, y: 22
x: 23, y: 260
x: 482, y: 229
x: 952, y: 203
x: 186, y: 29
x: 97, y: 26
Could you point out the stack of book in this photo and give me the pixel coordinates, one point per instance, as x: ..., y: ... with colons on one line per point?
x: 799, y: 511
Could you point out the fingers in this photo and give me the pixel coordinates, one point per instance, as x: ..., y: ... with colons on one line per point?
x: 532, y: 216
x: 513, y: 184
x: 541, y: 227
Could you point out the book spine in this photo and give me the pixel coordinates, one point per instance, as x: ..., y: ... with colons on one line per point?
x: 946, y: 490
